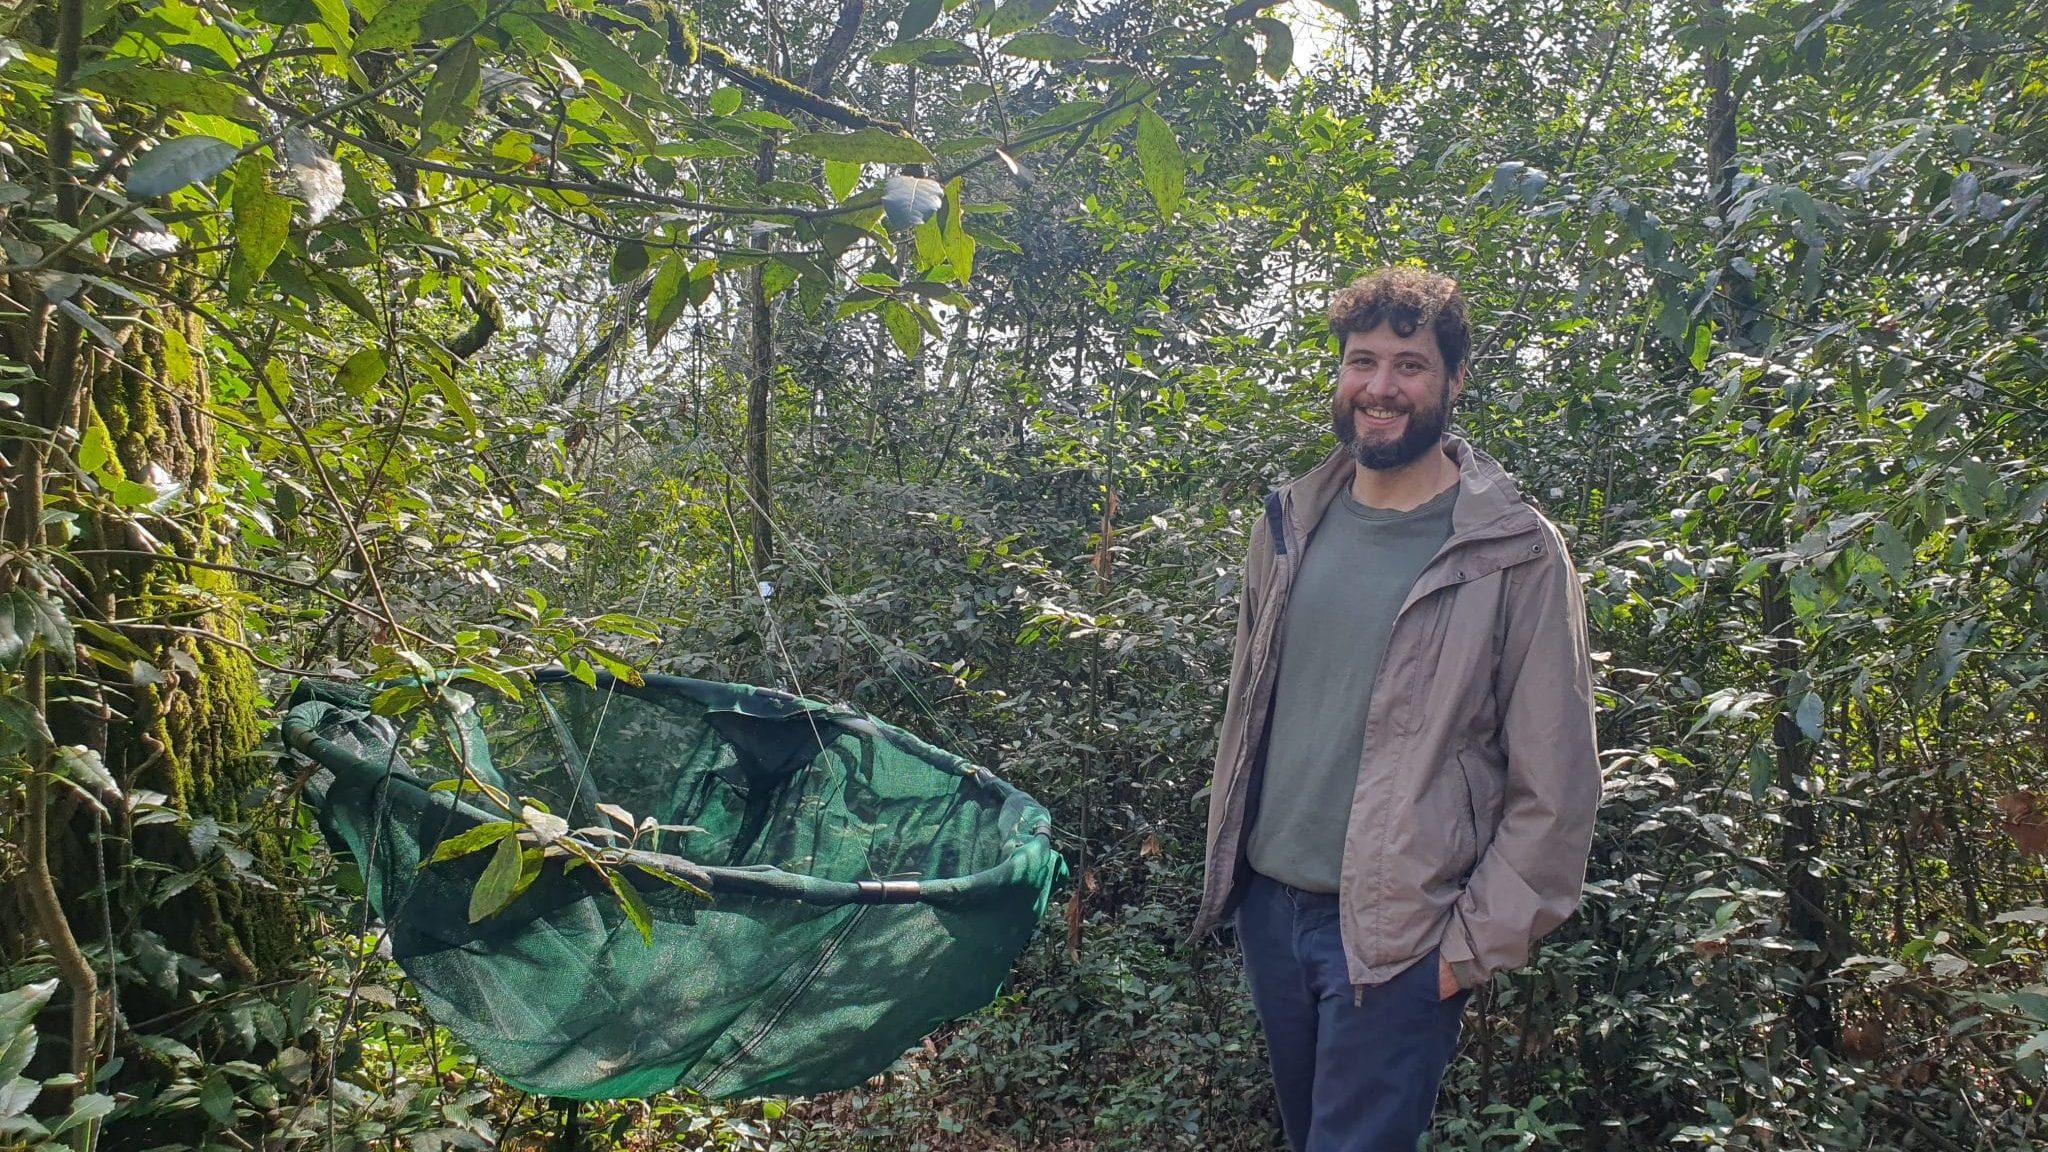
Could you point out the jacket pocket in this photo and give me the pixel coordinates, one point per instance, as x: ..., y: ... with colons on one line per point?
x: 1483, y: 799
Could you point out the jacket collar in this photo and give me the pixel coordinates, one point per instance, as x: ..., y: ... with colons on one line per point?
x: 1489, y: 504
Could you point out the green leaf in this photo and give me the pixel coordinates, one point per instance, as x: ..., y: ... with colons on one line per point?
x: 82, y: 764
x: 864, y: 146
x: 777, y: 277
x: 959, y: 241
x: 668, y: 877
x: 1049, y: 46
x: 936, y: 52
x: 351, y: 297
x: 1279, y: 54
x: 287, y: 12
x: 18, y: 1010
x: 176, y: 163
x: 665, y: 297
x: 475, y: 840
x: 918, y: 15
x: 84, y: 1110
x: 589, y: 48
x: 263, y: 222
x: 903, y: 328
x: 1017, y: 15
x: 28, y: 617
x: 1808, y: 715
x: 1761, y: 772
x: 634, y: 907
x: 1240, y: 61
x: 23, y: 731
x: 1345, y: 8
x: 396, y: 25
x: 1702, y: 346
x: 1160, y: 162
x: 840, y: 177
x: 451, y: 96
x: 494, y: 679
x: 95, y: 448
x: 361, y: 372
x: 496, y: 887
x: 624, y: 672
x: 175, y: 91
x: 629, y: 260
x: 726, y: 101
x: 217, y: 1099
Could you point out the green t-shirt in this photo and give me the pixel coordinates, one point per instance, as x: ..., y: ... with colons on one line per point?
x: 1354, y: 575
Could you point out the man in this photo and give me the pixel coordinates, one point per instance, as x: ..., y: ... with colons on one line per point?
x: 1406, y: 778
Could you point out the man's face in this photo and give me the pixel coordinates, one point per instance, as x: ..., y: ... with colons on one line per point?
x: 1393, y: 397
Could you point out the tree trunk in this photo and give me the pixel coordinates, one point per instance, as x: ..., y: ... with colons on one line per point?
x: 761, y: 316
x: 1799, y: 838
x: 760, y: 379
x: 169, y: 706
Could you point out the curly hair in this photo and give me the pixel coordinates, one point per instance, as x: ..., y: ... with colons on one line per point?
x: 1406, y: 299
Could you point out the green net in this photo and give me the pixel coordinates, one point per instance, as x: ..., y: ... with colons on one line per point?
x: 864, y: 886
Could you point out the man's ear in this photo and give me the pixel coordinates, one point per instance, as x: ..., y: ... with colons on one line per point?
x: 1458, y: 381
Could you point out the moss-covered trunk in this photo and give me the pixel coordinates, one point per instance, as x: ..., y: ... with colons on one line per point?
x: 170, y: 704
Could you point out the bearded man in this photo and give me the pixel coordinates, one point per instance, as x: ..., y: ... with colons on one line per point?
x: 1406, y: 778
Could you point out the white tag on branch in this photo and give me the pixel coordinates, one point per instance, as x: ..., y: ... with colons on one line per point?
x: 908, y: 201
x: 545, y: 826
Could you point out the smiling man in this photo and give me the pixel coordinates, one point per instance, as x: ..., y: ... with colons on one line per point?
x: 1406, y: 779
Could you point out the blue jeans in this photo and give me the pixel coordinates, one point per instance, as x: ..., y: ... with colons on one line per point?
x: 1356, y: 1069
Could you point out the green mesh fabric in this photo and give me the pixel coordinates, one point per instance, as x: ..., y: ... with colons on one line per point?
x: 801, y: 974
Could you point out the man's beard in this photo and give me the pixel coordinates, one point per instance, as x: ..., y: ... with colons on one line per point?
x: 1424, y: 431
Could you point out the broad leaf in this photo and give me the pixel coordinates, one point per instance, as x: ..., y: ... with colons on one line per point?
x: 1049, y: 46
x: 263, y: 222
x: 932, y: 52
x: 1160, y: 161
x: 1017, y: 15
x: 1345, y: 8
x: 174, y: 164
x: 474, y: 840
x: 840, y: 177
x: 903, y: 328
x: 27, y: 617
x: 863, y: 146
x: 175, y: 91
x: 633, y: 905
x: 1240, y: 59
x: 18, y: 1010
x: 499, y: 883
x: 396, y: 25
x: 665, y: 297
x: 82, y: 764
x: 586, y: 47
x: 1279, y: 54
x: 452, y: 95
x: 918, y: 15
x: 361, y: 372
x: 629, y: 260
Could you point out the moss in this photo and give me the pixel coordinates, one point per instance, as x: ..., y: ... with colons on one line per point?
x: 191, y: 736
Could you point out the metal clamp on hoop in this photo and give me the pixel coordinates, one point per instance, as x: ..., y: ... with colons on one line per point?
x: 890, y: 891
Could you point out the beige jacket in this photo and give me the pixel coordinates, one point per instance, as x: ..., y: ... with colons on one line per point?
x: 1474, y: 808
